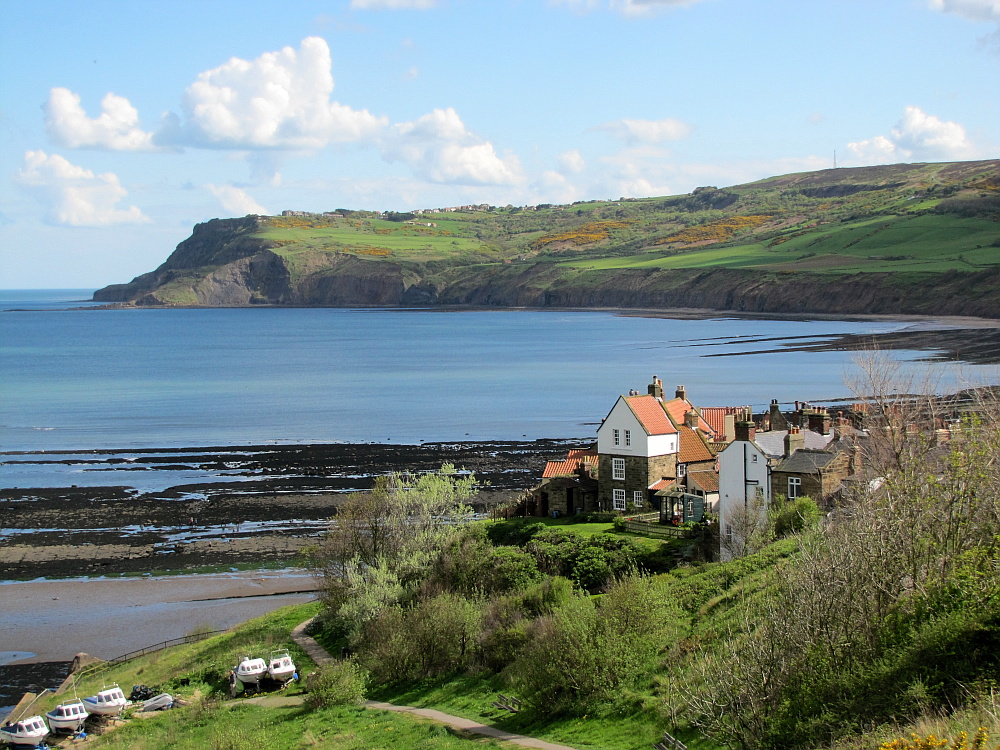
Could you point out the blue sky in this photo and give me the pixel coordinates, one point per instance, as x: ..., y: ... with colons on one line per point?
x: 123, y: 124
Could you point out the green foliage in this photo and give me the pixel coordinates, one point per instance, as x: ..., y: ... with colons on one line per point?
x: 471, y: 566
x: 431, y: 638
x: 586, y: 654
x: 589, y: 561
x: 383, y: 544
x: 794, y: 516
x: 337, y: 683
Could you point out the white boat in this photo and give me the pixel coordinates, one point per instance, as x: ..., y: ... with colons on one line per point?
x: 30, y: 732
x: 108, y: 702
x: 67, y: 717
x: 158, y: 702
x: 280, y: 666
x: 251, y: 671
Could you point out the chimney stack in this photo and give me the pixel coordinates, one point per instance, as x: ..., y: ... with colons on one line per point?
x: 777, y: 419
x: 691, y: 419
x: 681, y: 393
x: 746, y: 431
x: 655, y: 388
x: 819, y: 421
x: 793, y: 441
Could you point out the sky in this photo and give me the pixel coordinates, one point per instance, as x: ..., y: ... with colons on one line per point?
x: 123, y: 123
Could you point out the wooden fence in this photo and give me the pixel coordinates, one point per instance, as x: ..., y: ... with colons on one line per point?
x: 656, y: 530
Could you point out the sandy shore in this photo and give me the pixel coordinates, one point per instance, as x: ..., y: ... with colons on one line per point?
x: 55, y: 620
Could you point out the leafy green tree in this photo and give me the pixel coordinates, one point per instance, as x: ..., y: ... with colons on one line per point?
x: 383, y: 543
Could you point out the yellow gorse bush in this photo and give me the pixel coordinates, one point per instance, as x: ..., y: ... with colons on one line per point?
x: 715, y: 231
x: 933, y: 742
x: 595, y: 231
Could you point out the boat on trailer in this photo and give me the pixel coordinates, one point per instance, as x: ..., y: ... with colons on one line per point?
x: 250, y: 671
x: 280, y: 666
x: 158, y: 702
x: 67, y: 717
x: 107, y: 702
x: 30, y: 732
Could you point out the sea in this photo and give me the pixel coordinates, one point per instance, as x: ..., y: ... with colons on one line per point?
x: 74, y: 378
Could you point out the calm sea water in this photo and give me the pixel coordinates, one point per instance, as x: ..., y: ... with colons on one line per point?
x: 80, y: 379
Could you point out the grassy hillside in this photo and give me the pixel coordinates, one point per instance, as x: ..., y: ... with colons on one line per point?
x: 907, y: 218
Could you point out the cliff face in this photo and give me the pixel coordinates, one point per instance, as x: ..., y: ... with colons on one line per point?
x: 264, y: 278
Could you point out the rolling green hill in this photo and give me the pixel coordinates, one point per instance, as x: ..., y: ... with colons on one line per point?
x: 905, y: 238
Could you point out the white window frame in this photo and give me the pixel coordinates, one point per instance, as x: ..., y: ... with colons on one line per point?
x: 682, y: 470
x: 628, y: 437
x: 618, y: 469
x: 794, y: 487
x: 618, y: 499
x: 638, y: 499
x: 618, y: 436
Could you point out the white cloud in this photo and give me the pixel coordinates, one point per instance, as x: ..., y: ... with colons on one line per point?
x: 985, y: 11
x: 439, y: 148
x: 236, y: 201
x: 393, y: 4
x: 647, y: 7
x: 631, y: 8
x: 571, y: 162
x: 116, y: 128
x: 280, y: 100
x: 917, y: 136
x: 974, y: 10
x: 646, y: 131
x: 76, y: 196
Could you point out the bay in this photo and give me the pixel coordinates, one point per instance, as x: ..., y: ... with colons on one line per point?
x: 77, y: 379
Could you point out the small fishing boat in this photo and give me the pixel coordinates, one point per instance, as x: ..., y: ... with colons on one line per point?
x: 280, y: 666
x: 30, y: 732
x: 250, y: 671
x: 107, y: 702
x: 158, y: 702
x: 67, y: 717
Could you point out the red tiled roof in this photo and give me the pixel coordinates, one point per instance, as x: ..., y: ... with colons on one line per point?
x: 677, y: 408
x: 716, y: 418
x: 692, y: 447
x: 559, y: 468
x: 649, y: 412
x: 663, y: 484
x: 706, y: 480
x: 573, y: 461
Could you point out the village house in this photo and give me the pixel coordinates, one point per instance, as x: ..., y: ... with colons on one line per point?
x: 647, y: 447
x: 782, y: 456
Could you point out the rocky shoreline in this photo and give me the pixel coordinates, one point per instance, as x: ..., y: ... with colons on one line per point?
x: 267, y: 504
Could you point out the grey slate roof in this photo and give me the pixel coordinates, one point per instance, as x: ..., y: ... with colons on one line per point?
x: 806, y: 461
x: 773, y: 442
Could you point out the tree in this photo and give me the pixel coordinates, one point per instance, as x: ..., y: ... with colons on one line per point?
x: 382, y: 543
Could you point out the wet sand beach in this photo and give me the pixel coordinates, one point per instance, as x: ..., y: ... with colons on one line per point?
x: 106, y: 618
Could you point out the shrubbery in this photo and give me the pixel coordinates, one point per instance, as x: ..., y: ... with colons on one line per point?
x: 337, y: 683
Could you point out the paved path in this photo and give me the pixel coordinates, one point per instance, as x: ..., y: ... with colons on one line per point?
x: 320, y: 655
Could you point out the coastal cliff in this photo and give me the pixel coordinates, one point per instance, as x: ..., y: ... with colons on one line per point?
x: 902, y: 239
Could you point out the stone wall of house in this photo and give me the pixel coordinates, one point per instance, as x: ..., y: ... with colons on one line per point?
x: 640, y: 472
x: 820, y: 485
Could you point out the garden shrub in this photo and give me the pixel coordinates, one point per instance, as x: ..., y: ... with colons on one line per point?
x: 338, y: 683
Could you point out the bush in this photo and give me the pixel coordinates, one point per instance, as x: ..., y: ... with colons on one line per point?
x: 338, y: 683
x: 795, y: 516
